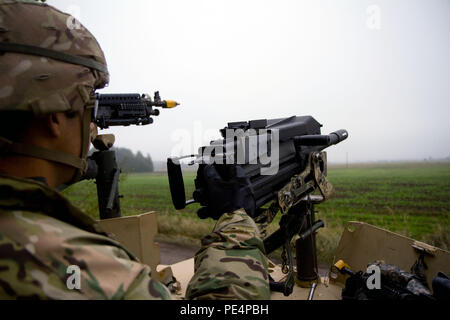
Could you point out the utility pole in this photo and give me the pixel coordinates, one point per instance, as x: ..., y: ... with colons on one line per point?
x: 347, y: 160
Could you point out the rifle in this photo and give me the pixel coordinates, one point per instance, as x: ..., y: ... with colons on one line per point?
x: 128, y: 109
x: 297, y: 169
x: 116, y: 110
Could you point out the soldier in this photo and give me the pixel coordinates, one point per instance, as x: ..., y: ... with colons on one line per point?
x: 48, y: 74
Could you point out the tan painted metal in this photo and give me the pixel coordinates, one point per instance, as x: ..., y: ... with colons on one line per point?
x: 360, y: 245
x: 137, y: 234
x: 184, y: 270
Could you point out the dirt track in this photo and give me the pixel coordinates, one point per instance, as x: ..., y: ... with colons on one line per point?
x: 172, y: 253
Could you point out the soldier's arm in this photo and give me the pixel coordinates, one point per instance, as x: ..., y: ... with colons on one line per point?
x: 231, y: 263
x: 44, y: 248
x: 145, y: 288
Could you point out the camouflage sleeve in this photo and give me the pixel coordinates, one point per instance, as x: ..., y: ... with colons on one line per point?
x: 36, y: 252
x: 231, y: 263
x: 145, y: 288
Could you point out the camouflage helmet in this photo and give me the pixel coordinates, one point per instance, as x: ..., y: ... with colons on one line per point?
x: 41, y: 69
x: 48, y: 64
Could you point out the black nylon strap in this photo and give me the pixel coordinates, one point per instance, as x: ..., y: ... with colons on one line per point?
x: 53, y: 54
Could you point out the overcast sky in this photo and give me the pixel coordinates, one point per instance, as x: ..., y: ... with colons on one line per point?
x: 380, y: 69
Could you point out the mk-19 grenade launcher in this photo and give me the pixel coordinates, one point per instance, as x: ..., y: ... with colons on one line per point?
x: 298, y: 182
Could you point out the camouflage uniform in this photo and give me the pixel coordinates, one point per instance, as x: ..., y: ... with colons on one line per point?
x: 231, y: 263
x: 42, y: 233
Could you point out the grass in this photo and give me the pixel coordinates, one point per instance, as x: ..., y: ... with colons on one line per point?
x: 412, y: 199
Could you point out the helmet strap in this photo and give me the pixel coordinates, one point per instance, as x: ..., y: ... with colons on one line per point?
x: 10, y: 147
x: 53, y: 54
x: 79, y: 163
x: 85, y: 140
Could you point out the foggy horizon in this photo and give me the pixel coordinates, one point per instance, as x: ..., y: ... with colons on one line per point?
x: 379, y: 69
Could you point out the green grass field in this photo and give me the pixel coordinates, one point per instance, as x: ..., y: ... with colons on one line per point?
x: 411, y: 198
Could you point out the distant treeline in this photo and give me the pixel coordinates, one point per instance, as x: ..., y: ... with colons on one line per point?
x: 130, y: 162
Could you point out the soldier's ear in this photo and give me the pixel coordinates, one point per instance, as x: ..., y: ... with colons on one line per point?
x: 54, y: 123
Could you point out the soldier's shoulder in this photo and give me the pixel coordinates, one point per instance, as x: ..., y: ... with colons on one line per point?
x: 39, y: 254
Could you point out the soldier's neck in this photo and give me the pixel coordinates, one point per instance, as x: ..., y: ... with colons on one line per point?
x: 27, y: 167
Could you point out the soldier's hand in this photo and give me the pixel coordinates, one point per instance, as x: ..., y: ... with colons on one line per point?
x: 226, y: 195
